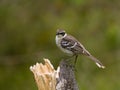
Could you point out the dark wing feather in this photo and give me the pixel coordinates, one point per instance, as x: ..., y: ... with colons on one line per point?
x: 70, y: 43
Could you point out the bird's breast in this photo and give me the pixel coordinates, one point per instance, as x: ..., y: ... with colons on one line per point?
x: 58, y: 43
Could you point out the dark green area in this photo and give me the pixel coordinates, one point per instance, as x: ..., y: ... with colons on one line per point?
x: 27, y: 35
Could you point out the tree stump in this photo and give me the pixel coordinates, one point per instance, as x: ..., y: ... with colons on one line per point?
x: 47, y: 78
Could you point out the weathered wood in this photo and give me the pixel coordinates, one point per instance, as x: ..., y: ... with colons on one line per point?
x: 66, y: 80
x: 47, y: 78
x: 45, y: 75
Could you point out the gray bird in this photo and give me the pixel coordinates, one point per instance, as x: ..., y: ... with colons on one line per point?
x: 72, y: 47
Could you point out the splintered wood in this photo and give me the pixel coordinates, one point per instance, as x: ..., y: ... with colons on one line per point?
x: 45, y: 75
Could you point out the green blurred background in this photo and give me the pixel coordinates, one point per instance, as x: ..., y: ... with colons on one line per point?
x: 27, y: 35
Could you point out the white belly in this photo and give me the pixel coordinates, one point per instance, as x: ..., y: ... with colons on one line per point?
x: 58, y: 43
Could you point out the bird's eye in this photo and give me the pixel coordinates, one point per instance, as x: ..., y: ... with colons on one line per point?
x: 62, y: 33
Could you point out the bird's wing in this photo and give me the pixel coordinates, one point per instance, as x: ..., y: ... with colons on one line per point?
x: 70, y: 43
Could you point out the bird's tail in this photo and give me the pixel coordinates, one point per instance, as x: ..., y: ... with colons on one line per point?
x: 98, y: 63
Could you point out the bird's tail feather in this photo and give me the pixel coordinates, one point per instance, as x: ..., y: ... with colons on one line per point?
x: 98, y: 63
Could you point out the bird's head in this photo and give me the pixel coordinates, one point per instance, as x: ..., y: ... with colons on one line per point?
x: 61, y: 33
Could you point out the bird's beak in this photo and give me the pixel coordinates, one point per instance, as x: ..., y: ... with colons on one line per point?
x: 56, y: 33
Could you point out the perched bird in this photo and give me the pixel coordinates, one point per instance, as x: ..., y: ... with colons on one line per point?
x: 71, y: 46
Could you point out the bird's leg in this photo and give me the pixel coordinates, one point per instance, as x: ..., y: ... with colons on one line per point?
x: 69, y: 59
x: 76, y: 56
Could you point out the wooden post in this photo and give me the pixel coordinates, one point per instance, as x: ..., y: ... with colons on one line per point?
x: 47, y: 78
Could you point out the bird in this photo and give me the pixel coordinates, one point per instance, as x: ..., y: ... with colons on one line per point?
x: 72, y: 47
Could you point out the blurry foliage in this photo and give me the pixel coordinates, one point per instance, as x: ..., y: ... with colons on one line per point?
x: 27, y: 34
